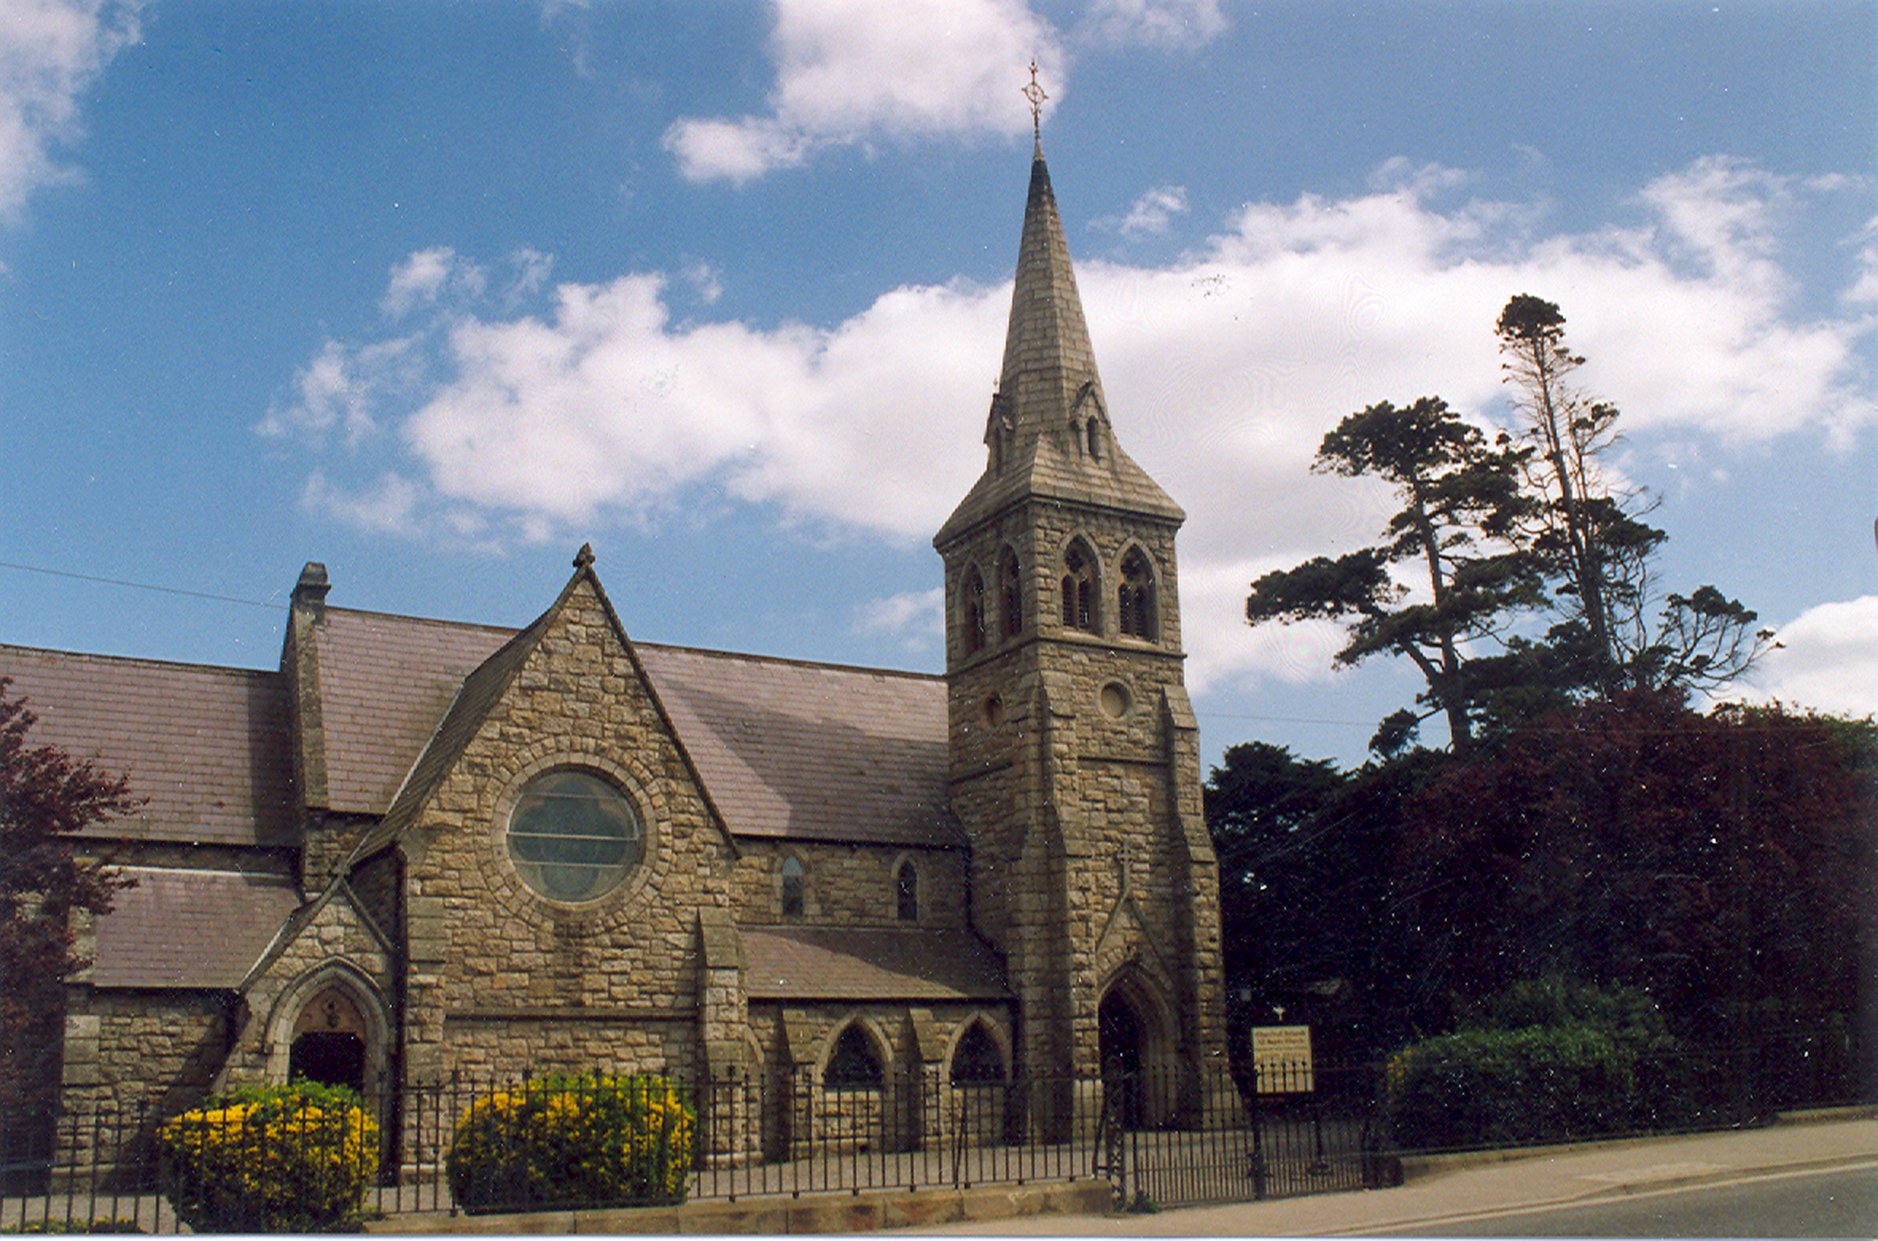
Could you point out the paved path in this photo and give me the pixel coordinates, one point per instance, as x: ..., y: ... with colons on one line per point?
x: 1450, y: 1191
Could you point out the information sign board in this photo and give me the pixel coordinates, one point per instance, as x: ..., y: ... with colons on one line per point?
x: 1281, y: 1059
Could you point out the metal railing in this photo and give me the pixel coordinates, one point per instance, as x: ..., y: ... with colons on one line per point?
x: 1166, y: 1136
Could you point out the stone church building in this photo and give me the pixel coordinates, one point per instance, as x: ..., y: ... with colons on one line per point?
x: 422, y: 848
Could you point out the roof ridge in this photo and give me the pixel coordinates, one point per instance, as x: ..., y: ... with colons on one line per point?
x: 909, y: 673
x: 428, y: 620
x: 140, y: 659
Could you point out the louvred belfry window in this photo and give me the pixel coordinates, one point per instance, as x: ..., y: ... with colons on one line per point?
x: 1135, y: 598
x: 1012, y: 589
x: 1079, y: 588
x: 974, y: 617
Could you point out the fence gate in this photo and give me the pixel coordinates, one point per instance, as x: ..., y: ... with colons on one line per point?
x: 1223, y: 1145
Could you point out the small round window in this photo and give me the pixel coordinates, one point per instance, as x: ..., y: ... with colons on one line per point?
x: 573, y: 837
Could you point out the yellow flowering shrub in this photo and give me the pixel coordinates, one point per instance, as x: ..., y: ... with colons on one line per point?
x: 573, y: 1141
x: 294, y: 1158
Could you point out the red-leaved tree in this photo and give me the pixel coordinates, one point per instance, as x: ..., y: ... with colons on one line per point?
x: 1722, y: 862
x: 46, y: 797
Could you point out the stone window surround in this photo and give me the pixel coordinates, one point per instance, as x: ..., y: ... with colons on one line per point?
x: 906, y: 857
x: 1000, y: 1039
x: 801, y: 877
x: 628, y: 891
x: 876, y: 1037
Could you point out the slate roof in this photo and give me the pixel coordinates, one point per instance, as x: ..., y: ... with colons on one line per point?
x: 207, y: 746
x: 813, y: 751
x: 385, y: 683
x: 190, y: 928
x: 785, y: 748
x: 862, y: 963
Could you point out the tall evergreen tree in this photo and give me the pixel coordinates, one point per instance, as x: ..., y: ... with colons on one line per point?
x: 1613, y: 630
x: 1457, y: 535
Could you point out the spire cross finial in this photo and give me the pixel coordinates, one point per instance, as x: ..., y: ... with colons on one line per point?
x: 1035, y: 94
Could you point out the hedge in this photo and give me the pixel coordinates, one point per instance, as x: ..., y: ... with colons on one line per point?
x: 573, y: 1141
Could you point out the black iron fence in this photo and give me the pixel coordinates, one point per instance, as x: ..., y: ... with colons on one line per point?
x: 1164, y: 1136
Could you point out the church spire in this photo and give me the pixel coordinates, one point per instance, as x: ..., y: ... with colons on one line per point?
x: 1047, y: 356
x: 1048, y: 433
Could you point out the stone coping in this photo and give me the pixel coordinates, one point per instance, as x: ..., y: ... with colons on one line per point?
x: 811, y: 1213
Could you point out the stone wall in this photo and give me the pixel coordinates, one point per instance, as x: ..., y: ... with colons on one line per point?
x: 850, y: 885
x: 132, y: 1060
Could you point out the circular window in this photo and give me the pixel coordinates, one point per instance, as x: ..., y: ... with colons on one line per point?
x: 1115, y: 700
x: 573, y: 837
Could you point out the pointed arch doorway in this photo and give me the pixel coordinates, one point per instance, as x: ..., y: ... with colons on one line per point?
x: 1122, y: 1040
x: 329, y: 1041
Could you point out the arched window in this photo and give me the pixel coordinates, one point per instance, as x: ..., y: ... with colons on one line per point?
x: 974, y: 619
x: 1135, y: 597
x: 793, y: 877
x: 1093, y: 431
x: 853, y: 1064
x: 1079, y: 588
x: 1011, y: 590
x: 975, y: 1061
x: 906, y: 891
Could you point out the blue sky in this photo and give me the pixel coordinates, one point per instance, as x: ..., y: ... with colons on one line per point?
x: 435, y: 293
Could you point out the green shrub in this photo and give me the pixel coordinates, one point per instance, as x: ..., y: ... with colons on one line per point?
x: 294, y: 1158
x: 1553, y: 1060
x: 562, y: 1142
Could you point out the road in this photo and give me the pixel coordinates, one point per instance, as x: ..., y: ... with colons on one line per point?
x: 1836, y: 1202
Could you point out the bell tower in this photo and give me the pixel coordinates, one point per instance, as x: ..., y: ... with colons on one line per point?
x: 1074, y: 758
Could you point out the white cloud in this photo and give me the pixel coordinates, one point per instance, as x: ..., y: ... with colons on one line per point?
x: 428, y: 275
x: 916, y: 617
x: 704, y: 281
x: 1173, y: 24
x: 852, y: 71
x: 1828, y: 659
x: 50, y: 52
x: 1223, y: 368
x: 341, y: 386
x: 1864, y: 288
x: 388, y: 506
x: 1151, y: 213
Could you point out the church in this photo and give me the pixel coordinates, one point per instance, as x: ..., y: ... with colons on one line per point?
x: 425, y: 849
